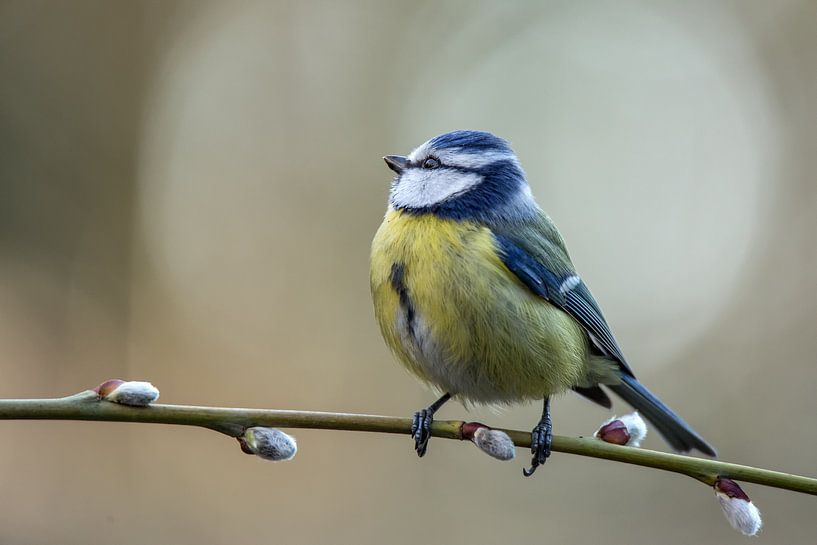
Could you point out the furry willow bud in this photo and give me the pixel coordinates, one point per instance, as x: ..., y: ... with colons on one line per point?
x: 495, y: 443
x: 133, y: 393
x: 269, y: 444
x: 742, y: 514
x: 629, y: 430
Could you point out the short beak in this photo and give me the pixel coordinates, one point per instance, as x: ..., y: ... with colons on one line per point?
x: 397, y: 163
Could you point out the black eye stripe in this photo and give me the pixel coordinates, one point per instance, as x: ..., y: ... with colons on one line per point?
x: 443, y: 166
x: 481, y: 170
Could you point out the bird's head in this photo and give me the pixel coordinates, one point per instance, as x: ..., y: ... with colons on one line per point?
x: 461, y: 175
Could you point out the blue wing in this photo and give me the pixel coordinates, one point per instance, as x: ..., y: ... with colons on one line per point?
x: 565, y: 290
x: 542, y: 264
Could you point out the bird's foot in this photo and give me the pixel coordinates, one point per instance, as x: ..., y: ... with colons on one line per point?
x: 540, y: 441
x: 421, y: 425
x: 421, y: 430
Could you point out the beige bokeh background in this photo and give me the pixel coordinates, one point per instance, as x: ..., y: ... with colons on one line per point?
x: 187, y: 195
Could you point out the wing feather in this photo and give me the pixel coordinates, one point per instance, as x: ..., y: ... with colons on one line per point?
x: 563, y: 290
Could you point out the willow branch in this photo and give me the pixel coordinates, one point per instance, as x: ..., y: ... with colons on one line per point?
x: 233, y: 421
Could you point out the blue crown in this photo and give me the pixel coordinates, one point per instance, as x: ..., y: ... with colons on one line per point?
x: 476, y: 141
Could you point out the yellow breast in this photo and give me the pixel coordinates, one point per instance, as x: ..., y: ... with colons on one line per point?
x: 460, y: 320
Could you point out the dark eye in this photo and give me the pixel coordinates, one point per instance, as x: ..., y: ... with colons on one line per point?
x: 431, y: 162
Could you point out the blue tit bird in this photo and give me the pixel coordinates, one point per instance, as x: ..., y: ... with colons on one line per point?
x: 475, y: 293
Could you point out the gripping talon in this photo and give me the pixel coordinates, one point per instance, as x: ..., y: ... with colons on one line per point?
x: 421, y: 431
x: 415, y: 423
x: 421, y: 425
x: 541, y: 439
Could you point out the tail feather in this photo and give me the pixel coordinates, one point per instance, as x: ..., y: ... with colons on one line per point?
x: 671, y: 426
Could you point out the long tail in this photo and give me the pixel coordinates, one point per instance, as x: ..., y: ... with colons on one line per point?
x: 671, y: 426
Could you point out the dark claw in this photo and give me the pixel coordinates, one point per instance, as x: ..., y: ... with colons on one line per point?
x: 421, y: 425
x: 421, y: 430
x: 540, y: 443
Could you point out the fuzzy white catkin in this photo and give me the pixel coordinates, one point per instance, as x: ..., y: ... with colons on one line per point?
x: 271, y: 444
x: 636, y: 427
x: 744, y: 516
x: 494, y: 443
x: 134, y: 393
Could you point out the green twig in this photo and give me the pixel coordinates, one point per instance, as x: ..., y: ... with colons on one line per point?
x: 231, y: 421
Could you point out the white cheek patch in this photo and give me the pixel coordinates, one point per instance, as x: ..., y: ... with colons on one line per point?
x: 419, y: 188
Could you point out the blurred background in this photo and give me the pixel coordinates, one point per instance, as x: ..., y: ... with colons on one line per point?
x: 188, y: 191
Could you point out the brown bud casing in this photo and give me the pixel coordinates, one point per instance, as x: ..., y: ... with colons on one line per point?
x: 614, y: 432
x: 108, y: 387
